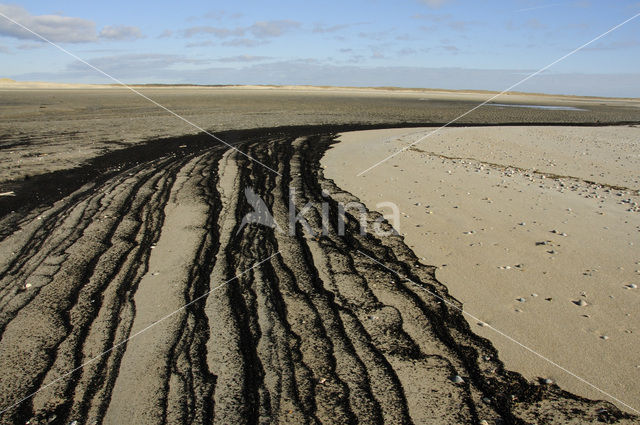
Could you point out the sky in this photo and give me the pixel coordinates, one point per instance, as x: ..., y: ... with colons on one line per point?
x: 450, y: 44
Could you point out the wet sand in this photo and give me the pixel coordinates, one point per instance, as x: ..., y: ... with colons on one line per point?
x: 307, y: 327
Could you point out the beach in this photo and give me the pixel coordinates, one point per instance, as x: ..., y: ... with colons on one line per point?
x: 142, y: 280
x: 523, y: 224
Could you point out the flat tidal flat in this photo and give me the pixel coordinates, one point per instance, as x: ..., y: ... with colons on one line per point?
x: 101, y: 250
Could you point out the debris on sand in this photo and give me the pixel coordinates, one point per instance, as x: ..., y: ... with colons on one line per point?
x: 10, y: 193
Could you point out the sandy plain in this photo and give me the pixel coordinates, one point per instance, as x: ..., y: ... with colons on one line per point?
x: 120, y: 216
x: 523, y: 223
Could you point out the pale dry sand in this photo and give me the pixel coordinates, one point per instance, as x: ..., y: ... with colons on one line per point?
x: 478, y: 203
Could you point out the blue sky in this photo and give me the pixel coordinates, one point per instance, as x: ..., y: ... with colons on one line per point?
x: 455, y: 44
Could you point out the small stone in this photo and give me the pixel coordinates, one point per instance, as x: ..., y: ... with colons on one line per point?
x: 27, y: 285
x: 547, y: 381
x: 486, y: 400
x: 457, y: 379
x: 521, y: 299
x: 604, y: 337
x: 534, y: 295
x: 581, y: 303
x: 632, y: 286
x: 322, y: 380
x: 483, y: 422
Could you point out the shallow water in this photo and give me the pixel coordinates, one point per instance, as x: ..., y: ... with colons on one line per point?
x: 554, y: 108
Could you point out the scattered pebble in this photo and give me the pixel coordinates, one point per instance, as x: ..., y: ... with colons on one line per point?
x: 547, y: 381
x: 604, y: 337
x: 521, y: 299
x: 581, y: 303
x: 27, y: 285
x: 322, y: 380
x: 632, y: 286
x: 457, y: 379
x: 11, y: 193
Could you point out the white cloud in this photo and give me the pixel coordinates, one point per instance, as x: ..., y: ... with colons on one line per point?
x: 56, y: 28
x: 264, y: 29
x: 243, y: 58
x: 120, y: 32
x: 243, y: 42
x: 205, y: 43
x: 214, y: 31
x: 434, y: 3
x: 321, y: 28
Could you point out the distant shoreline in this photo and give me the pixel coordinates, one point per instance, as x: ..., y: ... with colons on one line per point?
x: 7, y: 83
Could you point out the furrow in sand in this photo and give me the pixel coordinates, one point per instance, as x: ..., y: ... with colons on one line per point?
x: 113, y: 321
x: 191, y: 384
x: 46, y: 316
x: 375, y: 394
x: 319, y: 333
x: 140, y: 390
x: 111, y: 268
x: 224, y: 354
